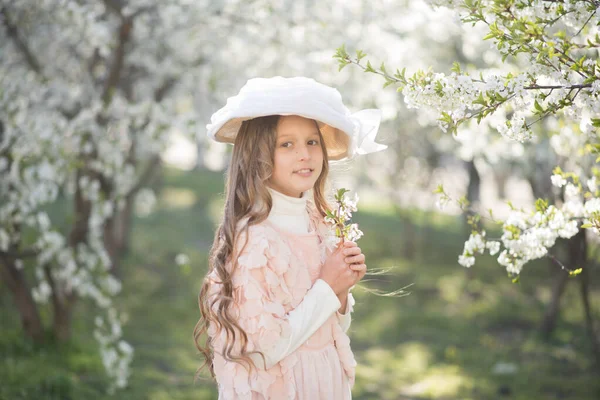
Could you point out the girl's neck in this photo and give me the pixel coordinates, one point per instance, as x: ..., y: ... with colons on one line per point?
x: 287, y: 205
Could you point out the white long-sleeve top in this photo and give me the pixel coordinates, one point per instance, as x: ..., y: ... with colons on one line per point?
x: 290, y: 213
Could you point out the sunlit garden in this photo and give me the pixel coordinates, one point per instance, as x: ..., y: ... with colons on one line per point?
x: 481, y: 218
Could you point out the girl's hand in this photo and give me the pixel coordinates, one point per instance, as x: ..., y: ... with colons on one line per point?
x: 356, y: 260
x: 336, y: 271
x: 354, y: 255
x: 360, y: 270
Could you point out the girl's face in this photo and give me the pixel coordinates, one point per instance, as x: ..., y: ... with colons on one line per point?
x: 298, y: 156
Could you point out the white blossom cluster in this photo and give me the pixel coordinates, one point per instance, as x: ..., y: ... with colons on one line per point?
x: 60, y: 135
x: 338, y: 217
x: 37, y: 165
x: 576, y: 12
x: 455, y: 94
x: 116, y: 353
x: 529, y: 236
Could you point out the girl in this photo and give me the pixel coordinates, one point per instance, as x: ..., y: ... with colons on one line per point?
x: 275, y: 303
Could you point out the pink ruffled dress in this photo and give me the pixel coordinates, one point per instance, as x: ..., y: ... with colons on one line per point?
x: 274, y: 273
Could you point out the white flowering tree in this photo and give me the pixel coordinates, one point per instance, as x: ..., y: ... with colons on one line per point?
x: 551, y: 48
x: 87, y: 92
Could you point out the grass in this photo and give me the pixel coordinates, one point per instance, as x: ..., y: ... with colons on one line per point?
x: 460, y: 334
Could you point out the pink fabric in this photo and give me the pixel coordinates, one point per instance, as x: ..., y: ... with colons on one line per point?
x: 274, y: 273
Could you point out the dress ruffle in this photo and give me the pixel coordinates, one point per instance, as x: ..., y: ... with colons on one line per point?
x: 270, y: 280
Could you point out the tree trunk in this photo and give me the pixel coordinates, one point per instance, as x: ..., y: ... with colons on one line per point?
x: 551, y: 313
x: 409, y: 248
x: 63, y: 305
x: 584, y: 279
x: 28, y: 311
x: 473, y: 196
x: 111, y: 245
x: 474, y: 188
x: 122, y: 229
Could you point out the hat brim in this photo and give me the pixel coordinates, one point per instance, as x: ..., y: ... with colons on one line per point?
x: 337, y: 142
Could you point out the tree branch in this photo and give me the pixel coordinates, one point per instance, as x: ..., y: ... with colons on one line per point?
x: 145, y: 176
x: 118, y: 60
x: 13, y: 33
x: 587, y: 85
x: 19, y: 254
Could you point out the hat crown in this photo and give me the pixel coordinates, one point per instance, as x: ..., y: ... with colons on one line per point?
x: 292, y: 96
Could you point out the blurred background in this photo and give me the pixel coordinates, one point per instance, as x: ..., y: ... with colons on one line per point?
x: 141, y: 79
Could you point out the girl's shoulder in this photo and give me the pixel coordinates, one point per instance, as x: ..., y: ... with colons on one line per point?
x: 260, y: 237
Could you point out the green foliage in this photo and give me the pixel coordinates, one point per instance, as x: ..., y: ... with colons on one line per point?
x: 449, y: 320
x: 541, y: 205
x: 543, y: 40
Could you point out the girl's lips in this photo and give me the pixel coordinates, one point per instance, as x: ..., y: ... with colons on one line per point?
x: 305, y: 172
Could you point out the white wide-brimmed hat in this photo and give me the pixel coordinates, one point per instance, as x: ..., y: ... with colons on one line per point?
x: 345, y: 134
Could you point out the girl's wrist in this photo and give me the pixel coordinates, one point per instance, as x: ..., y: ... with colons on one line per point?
x: 343, y: 298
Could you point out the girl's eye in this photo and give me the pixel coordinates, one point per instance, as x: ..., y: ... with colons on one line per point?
x: 286, y: 144
x: 314, y: 142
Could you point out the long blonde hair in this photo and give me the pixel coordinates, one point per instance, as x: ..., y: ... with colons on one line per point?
x: 250, y: 169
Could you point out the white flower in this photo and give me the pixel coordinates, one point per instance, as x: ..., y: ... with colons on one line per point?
x: 354, y: 233
x: 125, y: 347
x: 474, y: 244
x: 41, y: 293
x: 182, y: 259
x: 592, y: 206
x: 350, y: 204
x: 111, y: 284
x: 568, y: 230
x: 466, y: 261
x: 558, y: 180
x: 493, y: 247
x: 331, y: 240
x: 571, y: 190
x: 145, y: 201
x: 592, y: 185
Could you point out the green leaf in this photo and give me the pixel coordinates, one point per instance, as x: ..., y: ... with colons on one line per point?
x: 575, y: 272
x: 382, y: 68
x: 369, y: 67
x: 538, y: 106
x: 541, y: 205
x: 341, y: 192
x: 360, y: 55
x: 480, y: 100
x: 455, y: 67
x: 585, y: 226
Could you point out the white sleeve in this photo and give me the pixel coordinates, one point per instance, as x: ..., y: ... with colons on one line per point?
x: 319, y: 303
x: 345, y: 319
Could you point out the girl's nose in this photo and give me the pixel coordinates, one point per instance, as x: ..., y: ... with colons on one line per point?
x: 303, y: 152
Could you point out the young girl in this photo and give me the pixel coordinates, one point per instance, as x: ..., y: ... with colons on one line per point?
x: 275, y: 303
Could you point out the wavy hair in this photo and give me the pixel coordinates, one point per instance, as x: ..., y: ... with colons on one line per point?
x: 249, y: 172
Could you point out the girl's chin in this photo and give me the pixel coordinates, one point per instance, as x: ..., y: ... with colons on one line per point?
x: 300, y: 189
